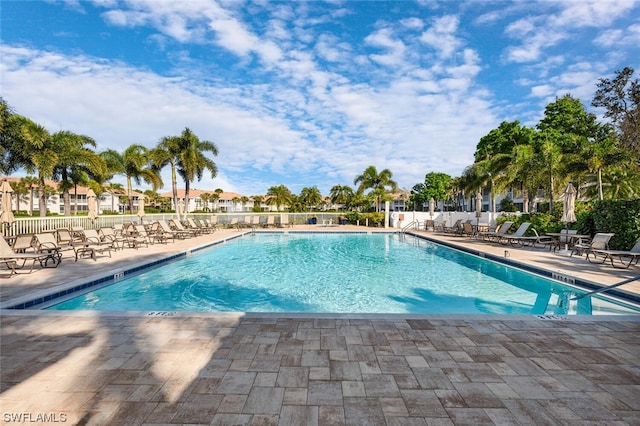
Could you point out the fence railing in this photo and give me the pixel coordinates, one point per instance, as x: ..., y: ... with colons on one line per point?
x: 33, y: 225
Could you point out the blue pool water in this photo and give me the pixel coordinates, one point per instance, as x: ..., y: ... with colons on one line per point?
x: 339, y: 273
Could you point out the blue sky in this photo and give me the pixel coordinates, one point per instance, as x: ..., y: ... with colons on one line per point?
x: 307, y: 93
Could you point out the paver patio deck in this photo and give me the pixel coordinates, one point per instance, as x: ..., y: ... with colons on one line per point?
x: 200, y: 368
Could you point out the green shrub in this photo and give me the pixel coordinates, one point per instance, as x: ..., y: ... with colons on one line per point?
x: 621, y: 217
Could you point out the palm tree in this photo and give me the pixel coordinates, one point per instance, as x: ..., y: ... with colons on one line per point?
x: 371, y: 179
x: 134, y: 164
x: 19, y: 189
x: 76, y: 162
x: 340, y: 194
x: 310, y: 197
x: 30, y: 182
x: 191, y: 160
x: 279, y: 196
x: 113, y: 189
x: 257, y: 203
x: 167, y: 152
x: 39, y: 154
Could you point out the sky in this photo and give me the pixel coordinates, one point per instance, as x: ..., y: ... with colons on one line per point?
x: 305, y: 93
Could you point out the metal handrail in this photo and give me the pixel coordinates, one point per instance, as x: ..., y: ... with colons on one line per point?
x: 603, y: 289
x: 411, y: 224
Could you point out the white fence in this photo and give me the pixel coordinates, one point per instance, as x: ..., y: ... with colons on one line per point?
x: 402, y: 219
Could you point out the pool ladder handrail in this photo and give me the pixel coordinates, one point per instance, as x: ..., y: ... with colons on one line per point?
x: 411, y: 225
x: 603, y: 289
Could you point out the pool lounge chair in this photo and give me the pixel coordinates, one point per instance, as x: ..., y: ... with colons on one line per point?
x: 454, y: 229
x: 538, y: 240
x: 177, y: 226
x: 9, y: 257
x: 190, y: 225
x: 91, y: 244
x: 108, y: 233
x: 23, y: 243
x: 172, y: 227
x: 498, y: 233
x: 271, y: 221
x: 633, y: 255
x: 514, y: 239
x: 158, y: 233
x: 45, y: 243
x: 600, y: 241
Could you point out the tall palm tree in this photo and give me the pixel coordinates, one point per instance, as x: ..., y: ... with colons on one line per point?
x: 31, y: 182
x: 371, y: 179
x: 192, y: 162
x: 114, y: 189
x: 39, y: 155
x: 310, y: 197
x: 167, y: 152
x: 76, y: 162
x: 279, y: 196
x: 19, y: 189
x: 134, y: 163
x: 340, y: 194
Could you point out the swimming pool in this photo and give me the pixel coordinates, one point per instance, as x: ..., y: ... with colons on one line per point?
x: 339, y: 273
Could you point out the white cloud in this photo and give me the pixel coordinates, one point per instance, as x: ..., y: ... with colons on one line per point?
x: 441, y: 36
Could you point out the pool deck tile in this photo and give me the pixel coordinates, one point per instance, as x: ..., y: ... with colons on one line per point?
x: 254, y: 369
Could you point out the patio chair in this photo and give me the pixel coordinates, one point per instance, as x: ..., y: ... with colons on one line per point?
x: 45, y: 243
x: 429, y: 225
x: 202, y: 225
x: 600, y: 241
x: 285, y: 222
x: 191, y: 226
x: 23, y: 243
x: 633, y: 255
x: 498, y: 233
x: 9, y: 257
x: 454, y: 229
x: 213, y: 222
x: 176, y: 226
x: 157, y: 233
x: 108, y: 233
x: 91, y: 244
x: 541, y: 240
x: 515, y: 238
x: 271, y: 221
x: 466, y: 230
x: 169, y: 232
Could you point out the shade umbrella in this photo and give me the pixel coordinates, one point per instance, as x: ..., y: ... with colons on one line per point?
x: 141, y: 212
x: 478, y: 209
x: 92, y: 206
x: 568, y: 213
x: 7, y: 214
x: 432, y: 207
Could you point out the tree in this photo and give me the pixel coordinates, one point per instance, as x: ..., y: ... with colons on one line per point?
x: 167, y: 152
x: 134, y: 163
x: 621, y: 99
x: 564, y: 131
x: 279, y: 196
x: 19, y: 189
x: 435, y: 186
x: 12, y: 154
x: 76, y: 162
x: 192, y: 162
x: 339, y: 194
x: 371, y: 179
x: 31, y: 182
x: 38, y: 153
x: 310, y: 197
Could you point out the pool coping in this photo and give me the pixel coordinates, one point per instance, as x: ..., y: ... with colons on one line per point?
x: 42, y: 299
x: 564, y: 278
